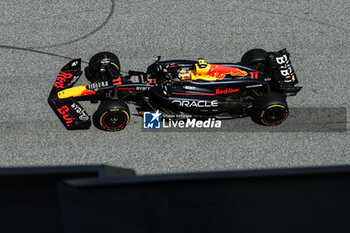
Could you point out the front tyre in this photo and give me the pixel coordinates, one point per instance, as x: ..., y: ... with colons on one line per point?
x: 270, y: 109
x: 112, y: 115
x: 103, y: 66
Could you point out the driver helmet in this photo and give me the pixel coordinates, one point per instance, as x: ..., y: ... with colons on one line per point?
x: 184, y: 75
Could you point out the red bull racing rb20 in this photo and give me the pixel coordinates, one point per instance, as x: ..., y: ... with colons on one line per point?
x: 257, y: 86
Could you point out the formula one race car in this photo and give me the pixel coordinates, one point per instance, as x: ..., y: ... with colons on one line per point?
x: 257, y: 86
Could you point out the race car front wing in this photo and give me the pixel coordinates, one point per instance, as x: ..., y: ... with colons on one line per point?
x: 69, y: 111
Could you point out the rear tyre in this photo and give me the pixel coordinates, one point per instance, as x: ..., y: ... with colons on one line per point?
x: 111, y: 115
x: 255, y: 58
x: 103, y: 66
x: 270, y: 109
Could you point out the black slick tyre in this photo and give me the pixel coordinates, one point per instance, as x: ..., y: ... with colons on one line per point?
x: 111, y: 115
x: 255, y: 58
x: 270, y: 109
x: 97, y: 63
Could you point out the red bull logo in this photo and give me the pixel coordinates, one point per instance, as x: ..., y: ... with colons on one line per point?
x: 220, y: 71
x: 217, y: 72
x: 226, y: 91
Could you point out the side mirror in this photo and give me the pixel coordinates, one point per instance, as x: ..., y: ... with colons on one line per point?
x: 158, y: 58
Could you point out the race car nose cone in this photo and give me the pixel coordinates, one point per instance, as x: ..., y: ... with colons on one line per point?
x: 74, y: 92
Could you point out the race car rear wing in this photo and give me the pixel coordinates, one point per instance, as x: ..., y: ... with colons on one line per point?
x: 69, y: 111
x: 283, y: 72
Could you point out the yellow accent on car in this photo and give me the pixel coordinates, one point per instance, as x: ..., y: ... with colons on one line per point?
x: 115, y: 65
x: 71, y: 92
x: 272, y: 106
x: 290, y: 75
x: 262, y: 114
x: 127, y: 115
x: 202, y: 63
x: 202, y: 70
x: 275, y: 105
x: 200, y: 73
x: 101, y: 123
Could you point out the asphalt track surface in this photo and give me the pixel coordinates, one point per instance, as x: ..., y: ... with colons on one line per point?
x: 38, y: 37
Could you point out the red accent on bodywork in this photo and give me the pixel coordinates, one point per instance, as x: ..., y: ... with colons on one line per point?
x: 178, y: 93
x: 117, y: 81
x: 61, y: 79
x: 64, y: 111
x: 226, y: 91
x: 152, y: 81
x: 254, y: 75
x: 88, y: 92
